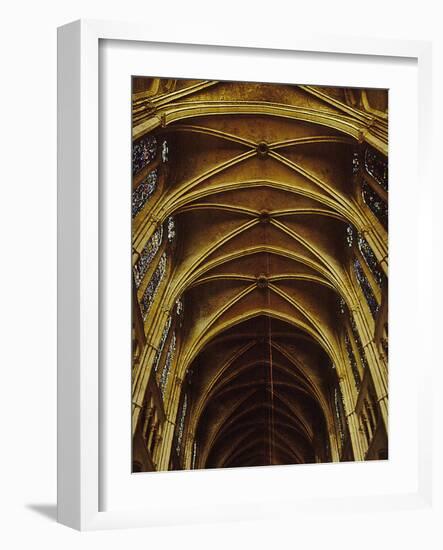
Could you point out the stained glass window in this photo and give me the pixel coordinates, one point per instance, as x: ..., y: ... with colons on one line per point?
x: 370, y: 259
x: 349, y: 235
x: 366, y: 251
x: 194, y: 454
x: 167, y: 366
x: 153, y: 286
x: 355, y: 163
x: 165, y: 151
x: 338, y: 403
x: 377, y: 166
x: 164, y: 337
x: 143, y: 152
x: 343, y: 309
x: 366, y: 288
x: 357, y: 341
x: 171, y: 229
x: 377, y: 205
x: 147, y: 255
x: 181, y: 424
x: 144, y: 190
x: 353, y: 362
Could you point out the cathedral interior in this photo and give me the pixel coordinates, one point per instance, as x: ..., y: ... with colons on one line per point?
x: 260, y: 269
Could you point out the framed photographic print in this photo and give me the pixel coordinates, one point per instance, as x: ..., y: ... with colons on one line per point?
x: 256, y: 210
x: 232, y: 219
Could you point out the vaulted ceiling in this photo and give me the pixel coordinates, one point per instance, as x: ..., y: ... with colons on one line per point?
x: 260, y: 183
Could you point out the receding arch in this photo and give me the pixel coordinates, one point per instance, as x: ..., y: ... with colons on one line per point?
x: 263, y: 341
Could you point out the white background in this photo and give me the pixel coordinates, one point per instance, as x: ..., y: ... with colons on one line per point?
x: 28, y: 274
x: 230, y: 492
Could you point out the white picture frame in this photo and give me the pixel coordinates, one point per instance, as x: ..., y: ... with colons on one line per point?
x: 80, y: 412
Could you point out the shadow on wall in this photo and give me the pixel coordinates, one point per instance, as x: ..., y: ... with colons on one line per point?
x: 48, y: 511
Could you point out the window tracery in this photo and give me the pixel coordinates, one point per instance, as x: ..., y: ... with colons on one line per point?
x: 338, y: 404
x: 377, y: 166
x: 144, y: 151
x: 353, y: 362
x: 377, y: 205
x: 150, y: 250
x: 147, y: 255
x: 349, y: 236
x: 343, y: 309
x: 181, y: 424
x: 171, y: 229
x: 163, y: 339
x: 366, y: 288
x: 165, y: 151
x: 370, y: 259
x: 163, y: 380
x: 353, y: 236
x: 167, y: 366
x: 194, y: 454
x: 144, y: 190
x: 355, y: 162
x: 357, y: 341
x: 153, y: 286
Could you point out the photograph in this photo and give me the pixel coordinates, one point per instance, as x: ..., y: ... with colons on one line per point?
x: 259, y: 274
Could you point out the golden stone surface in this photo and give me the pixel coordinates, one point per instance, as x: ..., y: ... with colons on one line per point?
x: 260, y: 182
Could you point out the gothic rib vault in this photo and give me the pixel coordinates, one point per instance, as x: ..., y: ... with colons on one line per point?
x: 260, y: 274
